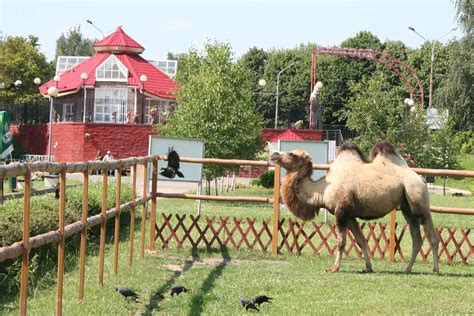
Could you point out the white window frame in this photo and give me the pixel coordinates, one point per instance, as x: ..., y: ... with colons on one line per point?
x: 169, y: 67
x: 122, y: 69
x: 121, y: 117
x: 162, y: 106
x: 66, y: 107
x: 64, y: 63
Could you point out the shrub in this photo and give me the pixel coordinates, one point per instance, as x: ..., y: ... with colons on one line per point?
x: 43, y: 218
x: 255, y: 182
x: 267, y: 179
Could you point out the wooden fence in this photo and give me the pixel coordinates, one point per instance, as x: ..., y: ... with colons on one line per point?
x: 280, y: 234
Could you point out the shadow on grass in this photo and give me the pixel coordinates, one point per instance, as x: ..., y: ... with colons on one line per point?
x: 451, y: 275
x: 43, y: 276
x: 158, y: 295
x: 196, y: 305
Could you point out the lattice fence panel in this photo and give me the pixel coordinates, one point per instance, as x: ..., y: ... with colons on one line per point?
x: 297, y: 237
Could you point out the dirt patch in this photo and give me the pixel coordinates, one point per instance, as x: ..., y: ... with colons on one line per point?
x: 173, y: 267
x: 221, y: 261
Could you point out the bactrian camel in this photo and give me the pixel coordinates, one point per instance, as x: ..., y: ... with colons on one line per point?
x: 356, y: 187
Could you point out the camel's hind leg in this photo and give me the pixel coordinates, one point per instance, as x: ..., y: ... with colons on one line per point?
x: 414, y: 232
x: 359, y: 236
x: 433, y: 240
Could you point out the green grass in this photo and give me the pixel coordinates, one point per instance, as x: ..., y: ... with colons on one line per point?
x: 466, y: 163
x: 299, y: 285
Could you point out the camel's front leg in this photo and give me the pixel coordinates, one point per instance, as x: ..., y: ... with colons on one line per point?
x: 341, y: 244
x: 359, y: 236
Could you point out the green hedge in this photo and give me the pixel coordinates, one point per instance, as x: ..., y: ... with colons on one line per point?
x: 267, y: 179
x: 43, y: 218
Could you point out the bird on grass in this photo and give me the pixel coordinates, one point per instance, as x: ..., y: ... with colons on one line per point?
x: 172, y: 169
x: 248, y: 304
x: 178, y: 289
x: 259, y: 299
x: 126, y: 292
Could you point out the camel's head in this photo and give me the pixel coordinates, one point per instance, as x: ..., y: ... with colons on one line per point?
x: 296, y: 160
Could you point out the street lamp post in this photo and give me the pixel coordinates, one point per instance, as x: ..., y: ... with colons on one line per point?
x: 37, y: 82
x: 430, y: 97
x: 90, y: 22
x: 143, y: 79
x: 52, y: 92
x: 84, y: 77
x: 18, y: 84
x: 278, y: 93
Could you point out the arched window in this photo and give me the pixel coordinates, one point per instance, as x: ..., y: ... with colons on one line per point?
x: 111, y: 70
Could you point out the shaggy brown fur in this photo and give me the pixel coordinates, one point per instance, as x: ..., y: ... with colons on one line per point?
x: 298, y: 207
x: 384, y: 148
x: 355, y: 188
x: 353, y: 147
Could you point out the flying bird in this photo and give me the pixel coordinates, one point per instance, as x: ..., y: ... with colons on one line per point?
x: 172, y: 169
x: 127, y: 292
x: 259, y: 299
x: 178, y: 289
x: 247, y: 304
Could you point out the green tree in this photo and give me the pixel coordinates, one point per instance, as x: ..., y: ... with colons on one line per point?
x: 376, y: 111
x: 444, y: 146
x: 455, y: 92
x: 294, y: 87
x: 74, y: 44
x: 21, y: 60
x: 215, y: 104
x: 336, y: 73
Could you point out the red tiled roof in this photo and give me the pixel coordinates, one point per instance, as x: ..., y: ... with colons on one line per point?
x: 126, y: 49
x: 158, y: 83
x: 118, y: 38
x: 288, y: 135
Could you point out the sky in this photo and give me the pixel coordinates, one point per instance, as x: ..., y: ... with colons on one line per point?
x: 163, y: 26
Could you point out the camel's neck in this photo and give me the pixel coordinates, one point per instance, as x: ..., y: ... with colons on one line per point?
x: 301, y: 194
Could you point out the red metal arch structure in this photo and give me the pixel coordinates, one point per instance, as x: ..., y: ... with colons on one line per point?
x: 412, y: 82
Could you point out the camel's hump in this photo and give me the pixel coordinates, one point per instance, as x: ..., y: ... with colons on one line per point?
x: 384, y: 148
x: 354, y: 148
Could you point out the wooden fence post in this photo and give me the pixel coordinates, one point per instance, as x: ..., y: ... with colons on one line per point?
x: 82, y: 259
x: 102, y: 226
x: 118, y: 183
x: 132, y: 213
x: 26, y: 241
x: 154, y: 176
x: 393, y: 217
x: 62, y: 207
x: 145, y: 195
x: 276, y: 210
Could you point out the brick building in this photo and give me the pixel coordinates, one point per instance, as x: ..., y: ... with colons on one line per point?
x: 106, y: 102
x: 109, y: 102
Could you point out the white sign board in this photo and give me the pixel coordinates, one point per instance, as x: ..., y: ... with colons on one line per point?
x: 185, y: 147
x: 317, y: 149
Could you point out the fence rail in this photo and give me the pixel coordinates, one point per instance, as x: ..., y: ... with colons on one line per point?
x: 293, y: 239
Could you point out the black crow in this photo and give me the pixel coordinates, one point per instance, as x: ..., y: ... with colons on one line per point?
x: 178, y: 289
x: 247, y: 304
x: 259, y: 299
x: 127, y: 292
x: 172, y: 169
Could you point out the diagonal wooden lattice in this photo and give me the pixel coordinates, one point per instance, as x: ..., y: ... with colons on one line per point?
x: 296, y: 237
